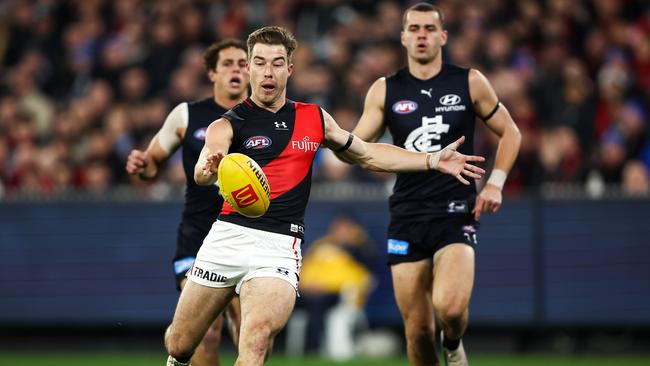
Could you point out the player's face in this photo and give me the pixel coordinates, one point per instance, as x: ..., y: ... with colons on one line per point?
x: 230, y: 74
x: 423, y: 36
x: 269, y: 69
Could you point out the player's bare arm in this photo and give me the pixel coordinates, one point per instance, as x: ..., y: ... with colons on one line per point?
x: 371, y: 125
x: 167, y: 140
x: 218, y: 138
x: 390, y: 158
x: 498, y: 119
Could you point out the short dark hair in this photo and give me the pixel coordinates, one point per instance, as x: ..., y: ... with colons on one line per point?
x: 423, y: 7
x: 211, y: 55
x: 273, y: 35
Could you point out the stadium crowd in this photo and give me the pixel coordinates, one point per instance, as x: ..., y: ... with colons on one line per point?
x: 82, y: 82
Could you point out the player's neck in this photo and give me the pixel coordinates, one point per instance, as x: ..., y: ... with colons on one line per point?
x: 425, y: 71
x: 226, y: 101
x: 274, y: 106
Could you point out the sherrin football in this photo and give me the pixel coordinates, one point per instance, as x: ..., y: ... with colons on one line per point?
x: 243, y: 185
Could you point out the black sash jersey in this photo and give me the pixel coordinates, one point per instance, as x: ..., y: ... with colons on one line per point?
x: 284, y: 145
x: 202, y: 203
x: 426, y: 116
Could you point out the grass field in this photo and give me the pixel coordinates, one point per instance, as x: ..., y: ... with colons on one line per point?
x: 150, y: 359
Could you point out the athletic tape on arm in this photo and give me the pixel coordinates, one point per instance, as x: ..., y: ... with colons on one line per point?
x: 177, y: 118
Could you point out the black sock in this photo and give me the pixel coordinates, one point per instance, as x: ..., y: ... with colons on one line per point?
x: 180, y: 361
x: 451, y: 344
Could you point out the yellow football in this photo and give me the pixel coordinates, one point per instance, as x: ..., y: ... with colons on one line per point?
x: 243, y: 185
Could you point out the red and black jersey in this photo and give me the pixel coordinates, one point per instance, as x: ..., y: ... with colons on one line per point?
x: 284, y: 145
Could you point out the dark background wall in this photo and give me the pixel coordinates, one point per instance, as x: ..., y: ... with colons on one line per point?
x: 539, y: 263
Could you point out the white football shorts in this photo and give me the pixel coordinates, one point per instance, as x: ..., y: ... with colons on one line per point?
x: 233, y: 254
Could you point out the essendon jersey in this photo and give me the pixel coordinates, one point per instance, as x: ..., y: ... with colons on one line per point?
x: 284, y: 145
x: 202, y: 203
x: 426, y: 116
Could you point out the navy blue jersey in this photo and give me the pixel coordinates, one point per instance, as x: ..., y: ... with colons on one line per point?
x: 202, y: 203
x: 426, y: 116
x: 284, y: 145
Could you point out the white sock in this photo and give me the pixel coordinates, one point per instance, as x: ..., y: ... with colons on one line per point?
x: 171, y: 361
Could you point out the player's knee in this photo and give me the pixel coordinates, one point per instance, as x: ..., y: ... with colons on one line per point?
x: 450, y: 312
x: 178, y: 345
x: 259, y: 341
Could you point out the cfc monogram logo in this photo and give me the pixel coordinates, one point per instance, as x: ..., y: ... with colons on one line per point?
x: 425, y: 138
x: 245, y: 196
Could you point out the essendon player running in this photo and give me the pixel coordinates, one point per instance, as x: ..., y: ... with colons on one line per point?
x: 434, y: 219
x: 260, y: 258
x: 185, y: 127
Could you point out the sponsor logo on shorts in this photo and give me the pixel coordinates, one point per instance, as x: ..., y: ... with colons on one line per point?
x: 258, y: 142
x: 405, y: 107
x: 208, y: 275
x: 469, y: 232
x: 245, y: 197
x: 282, y: 271
x: 183, y: 265
x: 457, y: 207
x: 398, y: 247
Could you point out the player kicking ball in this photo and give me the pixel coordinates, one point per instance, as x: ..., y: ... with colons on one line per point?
x: 259, y: 258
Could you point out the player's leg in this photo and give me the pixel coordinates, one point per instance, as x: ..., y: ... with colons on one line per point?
x: 266, y: 304
x: 207, y: 353
x: 233, y: 319
x: 198, y: 307
x: 412, y: 282
x: 454, y: 279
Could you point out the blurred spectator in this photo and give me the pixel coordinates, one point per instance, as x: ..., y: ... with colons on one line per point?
x: 636, y: 179
x: 335, y: 270
x: 575, y: 75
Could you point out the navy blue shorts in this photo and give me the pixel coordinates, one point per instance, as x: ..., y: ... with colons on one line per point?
x: 189, y: 240
x: 412, y: 241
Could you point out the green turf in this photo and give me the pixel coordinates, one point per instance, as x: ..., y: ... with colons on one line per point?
x: 138, y: 359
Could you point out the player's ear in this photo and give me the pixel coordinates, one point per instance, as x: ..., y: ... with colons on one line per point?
x: 443, y: 37
x: 401, y: 38
x: 290, y: 68
x: 212, y: 75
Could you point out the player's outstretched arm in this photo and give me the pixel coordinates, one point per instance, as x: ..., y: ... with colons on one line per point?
x: 218, y: 138
x: 146, y: 163
x: 389, y: 158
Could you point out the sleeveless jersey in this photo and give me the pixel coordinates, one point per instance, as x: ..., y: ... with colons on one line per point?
x: 202, y: 203
x: 426, y: 116
x: 284, y: 145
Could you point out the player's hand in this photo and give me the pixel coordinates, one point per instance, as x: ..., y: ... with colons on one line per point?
x: 489, y: 200
x: 458, y: 165
x: 137, y: 162
x: 211, y: 164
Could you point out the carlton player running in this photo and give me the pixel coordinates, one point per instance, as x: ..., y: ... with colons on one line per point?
x: 434, y: 219
x: 185, y: 126
x: 260, y: 258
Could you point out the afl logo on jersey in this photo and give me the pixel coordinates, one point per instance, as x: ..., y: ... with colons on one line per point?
x: 405, y: 107
x: 257, y: 142
x: 200, y: 134
x: 450, y: 99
